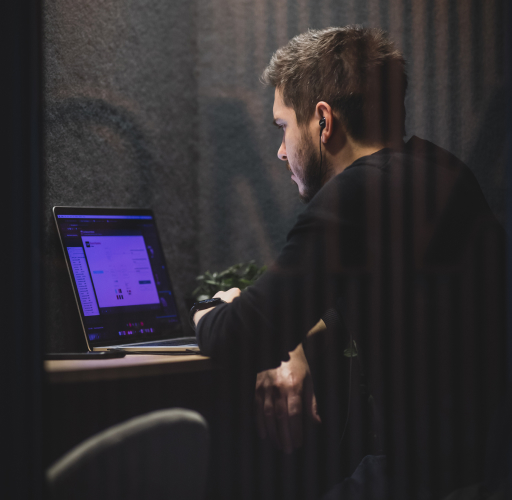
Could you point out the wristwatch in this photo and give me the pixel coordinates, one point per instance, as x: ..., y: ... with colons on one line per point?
x: 203, y: 304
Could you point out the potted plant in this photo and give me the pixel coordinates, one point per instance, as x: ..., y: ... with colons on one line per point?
x: 238, y: 276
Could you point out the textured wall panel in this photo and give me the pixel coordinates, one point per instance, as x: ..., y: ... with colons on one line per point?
x: 120, y: 119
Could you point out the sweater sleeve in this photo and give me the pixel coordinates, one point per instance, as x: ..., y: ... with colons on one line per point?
x: 272, y: 317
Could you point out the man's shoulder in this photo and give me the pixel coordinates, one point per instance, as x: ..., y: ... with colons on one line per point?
x: 448, y: 174
x: 423, y: 154
x: 419, y: 162
x: 431, y: 153
x: 420, y: 166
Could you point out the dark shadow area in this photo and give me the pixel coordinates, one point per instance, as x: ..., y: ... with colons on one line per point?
x: 236, y: 174
x: 74, y: 128
x: 486, y: 157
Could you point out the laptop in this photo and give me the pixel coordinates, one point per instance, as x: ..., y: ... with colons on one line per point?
x: 120, y: 280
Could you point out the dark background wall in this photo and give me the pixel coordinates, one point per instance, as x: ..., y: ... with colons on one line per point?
x: 121, y: 110
x: 155, y: 103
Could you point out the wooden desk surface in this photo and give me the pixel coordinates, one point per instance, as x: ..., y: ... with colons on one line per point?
x: 143, y: 365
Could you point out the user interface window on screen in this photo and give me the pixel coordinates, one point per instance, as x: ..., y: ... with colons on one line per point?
x: 120, y: 275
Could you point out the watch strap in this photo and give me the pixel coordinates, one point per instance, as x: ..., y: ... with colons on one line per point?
x: 201, y: 305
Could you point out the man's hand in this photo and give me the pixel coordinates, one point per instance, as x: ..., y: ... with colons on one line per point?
x: 281, y: 394
x: 228, y: 296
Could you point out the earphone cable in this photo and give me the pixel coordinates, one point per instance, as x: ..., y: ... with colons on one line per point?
x: 320, y: 146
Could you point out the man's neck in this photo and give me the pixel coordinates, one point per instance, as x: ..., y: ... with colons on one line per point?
x: 351, y: 152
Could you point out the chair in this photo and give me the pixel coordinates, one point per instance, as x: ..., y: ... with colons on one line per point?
x: 160, y: 455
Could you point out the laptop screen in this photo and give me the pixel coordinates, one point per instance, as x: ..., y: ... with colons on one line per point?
x: 119, y: 274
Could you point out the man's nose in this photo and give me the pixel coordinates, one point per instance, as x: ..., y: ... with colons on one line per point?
x: 281, y: 152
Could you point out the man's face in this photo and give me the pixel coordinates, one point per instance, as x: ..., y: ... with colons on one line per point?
x: 299, y: 151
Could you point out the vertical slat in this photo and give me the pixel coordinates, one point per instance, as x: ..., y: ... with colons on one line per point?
x: 21, y: 367
x: 508, y: 82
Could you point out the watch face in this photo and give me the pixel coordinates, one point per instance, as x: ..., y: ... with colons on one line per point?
x: 205, y: 304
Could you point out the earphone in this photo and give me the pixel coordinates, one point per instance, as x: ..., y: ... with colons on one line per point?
x: 322, y: 126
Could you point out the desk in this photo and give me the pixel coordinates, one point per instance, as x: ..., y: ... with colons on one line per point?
x: 131, y: 366
x: 84, y: 397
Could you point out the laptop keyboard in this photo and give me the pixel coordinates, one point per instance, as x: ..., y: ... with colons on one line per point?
x: 169, y: 343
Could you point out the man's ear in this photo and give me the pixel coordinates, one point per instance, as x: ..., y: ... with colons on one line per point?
x: 324, y: 111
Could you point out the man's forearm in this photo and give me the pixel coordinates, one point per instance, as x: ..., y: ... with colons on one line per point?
x: 199, y: 314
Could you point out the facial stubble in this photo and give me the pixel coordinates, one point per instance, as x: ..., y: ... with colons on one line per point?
x: 314, y: 171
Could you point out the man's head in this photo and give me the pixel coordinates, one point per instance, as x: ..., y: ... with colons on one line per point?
x: 356, y: 74
x: 357, y: 70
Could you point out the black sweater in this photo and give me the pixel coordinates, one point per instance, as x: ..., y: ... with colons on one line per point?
x: 403, y: 245
x: 396, y: 215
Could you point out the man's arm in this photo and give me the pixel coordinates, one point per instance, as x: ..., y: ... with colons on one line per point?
x: 284, y: 397
x: 225, y: 296
x: 273, y: 316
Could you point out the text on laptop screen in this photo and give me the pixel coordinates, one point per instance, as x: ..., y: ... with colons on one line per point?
x: 120, y: 275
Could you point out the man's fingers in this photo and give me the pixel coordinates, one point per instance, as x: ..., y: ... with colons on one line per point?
x: 310, y: 400
x: 295, y: 419
x: 314, y: 410
x: 260, y: 418
x: 228, y: 296
x: 270, y: 418
x: 282, y: 422
x: 280, y: 404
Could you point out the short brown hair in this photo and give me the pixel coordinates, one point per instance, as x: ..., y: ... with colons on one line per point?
x: 357, y: 71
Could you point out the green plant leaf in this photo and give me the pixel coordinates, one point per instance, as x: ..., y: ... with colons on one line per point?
x: 239, y: 275
x: 351, y: 351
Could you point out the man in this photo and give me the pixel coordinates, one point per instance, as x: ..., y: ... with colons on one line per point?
x: 390, y: 251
